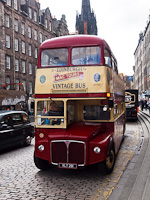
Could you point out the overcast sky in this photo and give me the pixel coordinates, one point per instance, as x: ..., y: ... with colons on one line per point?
x: 119, y: 22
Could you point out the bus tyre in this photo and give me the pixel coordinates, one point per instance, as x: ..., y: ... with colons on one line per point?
x: 41, y: 164
x: 108, y: 164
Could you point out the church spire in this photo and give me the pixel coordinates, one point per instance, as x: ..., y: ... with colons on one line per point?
x: 86, y: 9
x: 86, y: 18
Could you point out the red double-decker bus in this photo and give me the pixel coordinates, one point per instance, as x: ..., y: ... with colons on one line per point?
x: 79, y: 104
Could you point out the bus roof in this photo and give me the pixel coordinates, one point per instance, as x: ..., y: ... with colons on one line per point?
x: 73, y: 41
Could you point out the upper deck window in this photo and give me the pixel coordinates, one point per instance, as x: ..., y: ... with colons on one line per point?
x: 54, y: 57
x: 107, y: 58
x: 86, y: 55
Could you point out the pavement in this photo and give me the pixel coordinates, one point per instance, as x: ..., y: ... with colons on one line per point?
x: 134, y: 184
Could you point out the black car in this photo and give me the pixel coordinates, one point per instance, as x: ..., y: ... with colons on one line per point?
x: 15, y: 129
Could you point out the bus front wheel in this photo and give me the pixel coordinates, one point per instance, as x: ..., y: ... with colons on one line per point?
x: 41, y: 164
x: 107, y: 165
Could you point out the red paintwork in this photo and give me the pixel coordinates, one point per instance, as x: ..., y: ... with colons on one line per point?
x: 93, y: 134
x: 73, y: 95
x: 73, y: 41
x: 117, y: 99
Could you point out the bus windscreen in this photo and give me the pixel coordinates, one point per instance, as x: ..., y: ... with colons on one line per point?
x: 54, y: 57
x: 86, y: 55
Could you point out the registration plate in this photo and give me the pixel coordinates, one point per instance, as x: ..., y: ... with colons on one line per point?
x: 67, y: 165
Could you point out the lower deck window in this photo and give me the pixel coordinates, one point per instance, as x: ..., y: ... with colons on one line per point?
x: 50, y: 112
x: 93, y: 112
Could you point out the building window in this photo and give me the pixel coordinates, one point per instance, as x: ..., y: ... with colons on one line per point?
x: 8, y: 41
x: 45, y: 37
x: 16, y: 4
x: 35, y: 35
x: 23, y: 67
x: 41, y: 38
x: 35, y: 69
x: 50, y: 26
x: 8, y: 62
x: 30, y: 87
x: 22, y: 28
x: 36, y: 52
x: 8, y: 82
x: 24, y: 85
x: 16, y: 25
x: 30, y: 68
x: 16, y: 44
x: 23, y: 47
x: 46, y: 24
x: 30, y: 50
x: 17, y: 85
x: 30, y: 13
x: 16, y: 65
x: 7, y: 21
x: 29, y: 32
x: 35, y: 16
x: 9, y: 2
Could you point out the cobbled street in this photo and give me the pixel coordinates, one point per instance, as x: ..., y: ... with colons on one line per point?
x: 20, y: 179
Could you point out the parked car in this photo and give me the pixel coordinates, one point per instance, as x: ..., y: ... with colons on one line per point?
x: 15, y: 129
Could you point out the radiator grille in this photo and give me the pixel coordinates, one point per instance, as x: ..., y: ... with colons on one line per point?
x: 68, y: 151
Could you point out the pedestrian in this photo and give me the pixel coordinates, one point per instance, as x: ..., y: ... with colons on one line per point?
x: 142, y: 104
x: 145, y: 104
x: 148, y: 104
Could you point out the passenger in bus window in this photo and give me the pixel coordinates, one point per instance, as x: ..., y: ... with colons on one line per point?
x: 53, y: 106
x: 55, y: 110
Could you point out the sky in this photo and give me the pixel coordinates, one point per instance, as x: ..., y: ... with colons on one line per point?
x: 119, y: 23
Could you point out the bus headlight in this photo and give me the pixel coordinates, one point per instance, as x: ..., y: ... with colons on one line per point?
x: 97, y: 150
x: 41, y: 147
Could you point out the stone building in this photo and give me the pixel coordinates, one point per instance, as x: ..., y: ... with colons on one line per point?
x: 60, y: 26
x: 128, y: 81
x: 142, y: 62
x: 23, y: 27
x: 86, y: 22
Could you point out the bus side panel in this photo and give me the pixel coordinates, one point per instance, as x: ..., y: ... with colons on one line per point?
x: 119, y: 129
x: 116, y: 132
x: 118, y: 85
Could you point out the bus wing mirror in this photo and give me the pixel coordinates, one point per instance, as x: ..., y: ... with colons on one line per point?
x: 111, y: 103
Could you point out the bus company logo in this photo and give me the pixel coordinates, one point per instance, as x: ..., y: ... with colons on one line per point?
x: 97, y: 77
x: 42, y: 79
x: 63, y: 77
x: 129, y: 98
